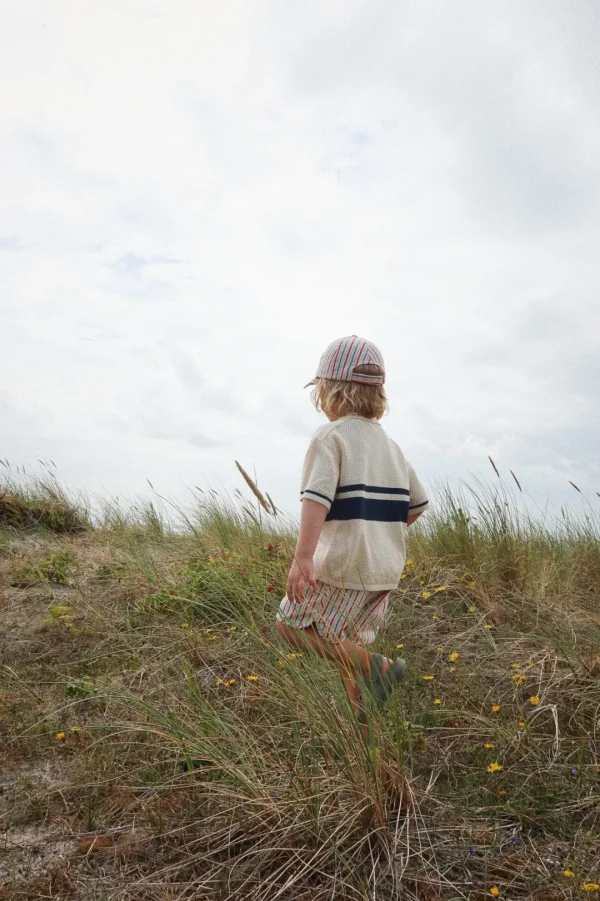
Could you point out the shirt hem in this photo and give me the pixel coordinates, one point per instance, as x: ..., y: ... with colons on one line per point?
x: 357, y: 586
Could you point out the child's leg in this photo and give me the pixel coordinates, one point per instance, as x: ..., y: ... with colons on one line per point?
x: 351, y: 656
x: 353, y: 691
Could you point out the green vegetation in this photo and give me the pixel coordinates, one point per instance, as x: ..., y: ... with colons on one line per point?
x: 159, y: 742
x: 34, y: 503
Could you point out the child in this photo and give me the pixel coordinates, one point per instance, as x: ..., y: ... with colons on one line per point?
x: 358, y: 494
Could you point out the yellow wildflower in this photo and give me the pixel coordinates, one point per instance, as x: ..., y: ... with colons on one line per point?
x: 534, y: 701
x: 425, y: 594
x: 219, y: 682
x: 75, y: 729
x: 472, y: 609
x: 502, y: 794
x: 409, y: 563
x: 60, y: 736
x: 590, y: 887
x: 428, y: 678
x: 185, y: 625
x: 518, y: 678
x: 229, y: 682
x: 488, y: 745
x: 495, y: 891
x: 281, y: 662
x: 212, y: 637
x: 471, y: 584
x: 488, y: 626
x: 515, y: 665
x: 403, y: 576
x: 438, y: 701
x: 441, y: 588
x: 435, y: 618
x: 252, y: 678
x: 495, y: 708
x: 569, y: 874
x: 399, y: 646
x: 454, y: 656
x: 521, y: 724
x: 494, y: 767
x: 530, y: 663
x: 233, y: 629
x: 440, y: 650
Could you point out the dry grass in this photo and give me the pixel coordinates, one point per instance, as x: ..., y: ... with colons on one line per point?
x: 175, y: 776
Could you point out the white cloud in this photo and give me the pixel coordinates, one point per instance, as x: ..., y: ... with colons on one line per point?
x: 195, y: 199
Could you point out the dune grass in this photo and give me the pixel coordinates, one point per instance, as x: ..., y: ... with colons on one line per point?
x: 159, y: 742
x: 39, y: 502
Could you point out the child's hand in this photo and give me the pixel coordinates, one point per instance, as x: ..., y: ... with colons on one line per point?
x: 301, y: 574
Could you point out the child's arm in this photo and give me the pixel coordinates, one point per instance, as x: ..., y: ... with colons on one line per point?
x: 302, y: 570
x: 418, y: 498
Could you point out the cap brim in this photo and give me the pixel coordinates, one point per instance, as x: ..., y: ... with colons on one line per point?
x: 314, y: 382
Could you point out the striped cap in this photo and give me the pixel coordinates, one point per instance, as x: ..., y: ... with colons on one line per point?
x: 343, y: 356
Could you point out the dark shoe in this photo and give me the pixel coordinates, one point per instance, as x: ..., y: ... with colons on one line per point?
x: 383, y: 684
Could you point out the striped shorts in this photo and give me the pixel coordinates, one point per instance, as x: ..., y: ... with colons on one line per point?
x: 337, y: 613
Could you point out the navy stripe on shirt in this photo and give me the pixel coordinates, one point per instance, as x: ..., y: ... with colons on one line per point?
x: 374, y: 489
x: 416, y: 506
x: 368, y: 508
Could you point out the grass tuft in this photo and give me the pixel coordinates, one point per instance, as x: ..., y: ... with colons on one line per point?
x: 39, y: 503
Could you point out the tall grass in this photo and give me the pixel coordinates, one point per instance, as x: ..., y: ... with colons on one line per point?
x: 245, y: 772
x: 485, y: 530
x: 39, y: 501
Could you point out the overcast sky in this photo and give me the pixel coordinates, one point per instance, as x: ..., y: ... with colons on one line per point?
x: 197, y: 197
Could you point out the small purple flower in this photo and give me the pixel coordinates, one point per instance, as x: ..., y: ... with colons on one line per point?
x: 575, y: 772
x: 471, y: 852
x: 277, y: 796
x: 513, y: 838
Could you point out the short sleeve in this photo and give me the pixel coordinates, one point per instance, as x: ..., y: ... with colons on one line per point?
x: 321, y: 472
x: 418, y: 496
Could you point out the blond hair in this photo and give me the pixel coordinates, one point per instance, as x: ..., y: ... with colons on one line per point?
x: 337, y: 399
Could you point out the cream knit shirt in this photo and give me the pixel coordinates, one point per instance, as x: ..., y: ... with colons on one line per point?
x: 354, y: 469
